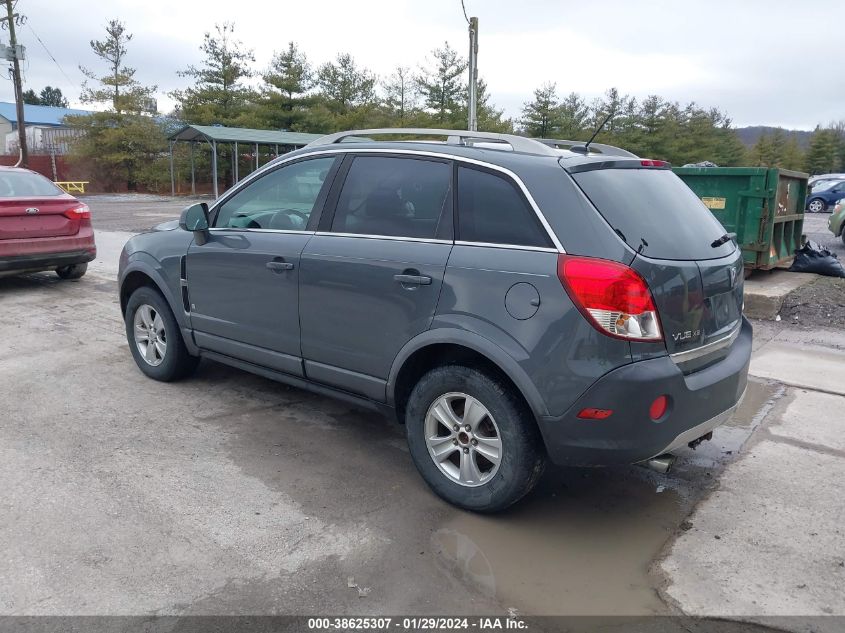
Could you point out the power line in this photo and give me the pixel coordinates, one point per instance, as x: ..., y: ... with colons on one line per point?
x: 465, y: 11
x: 47, y: 50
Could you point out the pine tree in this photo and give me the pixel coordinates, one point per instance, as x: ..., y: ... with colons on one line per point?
x: 218, y: 95
x: 400, y: 93
x: 120, y: 145
x: 574, y: 115
x: 441, y: 86
x: 344, y: 86
x: 288, y: 81
x: 118, y: 86
x: 541, y: 117
x: 53, y: 97
x: 823, y: 154
x: 30, y: 98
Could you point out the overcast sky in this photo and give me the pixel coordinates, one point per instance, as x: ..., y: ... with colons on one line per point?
x: 767, y: 62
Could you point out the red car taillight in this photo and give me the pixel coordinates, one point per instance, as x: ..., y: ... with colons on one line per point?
x: 614, y: 298
x: 79, y: 212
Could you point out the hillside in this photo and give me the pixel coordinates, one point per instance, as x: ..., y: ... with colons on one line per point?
x: 749, y: 135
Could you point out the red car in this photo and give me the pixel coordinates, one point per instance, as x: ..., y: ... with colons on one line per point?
x: 42, y: 227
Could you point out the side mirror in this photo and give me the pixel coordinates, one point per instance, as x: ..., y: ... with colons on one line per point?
x: 195, y: 219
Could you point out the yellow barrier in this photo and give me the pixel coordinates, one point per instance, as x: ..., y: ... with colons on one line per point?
x: 69, y: 186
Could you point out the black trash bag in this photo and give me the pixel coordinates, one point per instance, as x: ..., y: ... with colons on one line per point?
x: 812, y: 258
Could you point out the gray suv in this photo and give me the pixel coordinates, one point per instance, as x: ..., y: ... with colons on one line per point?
x: 507, y: 300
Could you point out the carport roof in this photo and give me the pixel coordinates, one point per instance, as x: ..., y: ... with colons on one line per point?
x: 222, y: 134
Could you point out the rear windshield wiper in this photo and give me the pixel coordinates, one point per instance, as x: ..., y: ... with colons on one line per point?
x: 727, y: 237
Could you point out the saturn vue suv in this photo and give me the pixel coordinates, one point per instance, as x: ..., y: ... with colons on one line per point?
x: 509, y: 301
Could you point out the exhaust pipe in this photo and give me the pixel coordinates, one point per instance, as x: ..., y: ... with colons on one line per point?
x: 660, y: 464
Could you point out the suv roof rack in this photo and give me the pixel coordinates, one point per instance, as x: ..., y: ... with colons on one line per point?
x: 610, y: 150
x: 453, y: 137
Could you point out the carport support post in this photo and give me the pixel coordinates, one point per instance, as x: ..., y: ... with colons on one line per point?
x: 277, y: 151
x: 235, y: 165
x: 172, y: 176
x: 193, y: 177
x: 214, y: 166
x: 256, y: 155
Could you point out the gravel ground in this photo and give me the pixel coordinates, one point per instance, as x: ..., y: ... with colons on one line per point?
x: 818, y: 304
x: 822, y: 302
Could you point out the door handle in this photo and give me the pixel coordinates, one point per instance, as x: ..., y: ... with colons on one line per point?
x: 278, y: 267
x: 419, y: 280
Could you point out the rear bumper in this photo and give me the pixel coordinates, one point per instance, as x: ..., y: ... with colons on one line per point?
x: 699, y: 402
x: 45, y: 261
x: 46, y: 253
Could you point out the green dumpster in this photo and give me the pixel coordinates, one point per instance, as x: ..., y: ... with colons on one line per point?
x: 764, y: 206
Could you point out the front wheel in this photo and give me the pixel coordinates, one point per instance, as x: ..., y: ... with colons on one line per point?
x: 154, y: 337
x: 473, y: 439
x: 816, y: 205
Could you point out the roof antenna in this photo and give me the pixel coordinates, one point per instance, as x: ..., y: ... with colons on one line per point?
x: 585, y: 148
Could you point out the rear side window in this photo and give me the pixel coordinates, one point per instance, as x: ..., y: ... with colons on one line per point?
x: 401, y: 197
x: 491, y: 210
x: 656, y: 206
x: 21, y: 184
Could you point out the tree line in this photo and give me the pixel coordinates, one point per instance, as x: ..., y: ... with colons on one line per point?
x: 126, y: 144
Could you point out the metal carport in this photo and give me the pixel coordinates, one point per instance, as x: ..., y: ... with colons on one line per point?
x: 216, y: 134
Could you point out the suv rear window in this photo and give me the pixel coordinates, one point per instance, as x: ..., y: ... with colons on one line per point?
x: 656, y: 206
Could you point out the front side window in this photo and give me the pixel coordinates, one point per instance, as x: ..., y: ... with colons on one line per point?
x: 402, y: 197
x: 281, y: 200
x: 492, y: 211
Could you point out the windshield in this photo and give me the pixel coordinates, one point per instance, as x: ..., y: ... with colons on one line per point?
x: 655, y: 205
x: 22, y: 184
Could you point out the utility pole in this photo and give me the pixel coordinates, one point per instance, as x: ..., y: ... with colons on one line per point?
x: 9, y: 21
x: 473, y: 74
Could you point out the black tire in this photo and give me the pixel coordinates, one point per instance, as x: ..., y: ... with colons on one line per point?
x: 523, y: 457
x: 842, y: 236
x: 176, y: 362
x: 74, y: 271
x: 821, y: 209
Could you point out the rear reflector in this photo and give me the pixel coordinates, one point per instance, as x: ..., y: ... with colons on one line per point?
x: 658, y: 408
x: 595, y: 414
x: 613, y: 297
x: 79, y: 212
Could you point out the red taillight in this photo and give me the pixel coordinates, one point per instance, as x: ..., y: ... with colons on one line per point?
x: 614, y: 298
x: 658, y: 408
x: 647, y: 162
x: 595, y: 414
x: 79, y: 212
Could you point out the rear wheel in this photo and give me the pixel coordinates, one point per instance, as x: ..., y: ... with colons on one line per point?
x: 842, y: 235
x: 816, y: 205
x: 473, y: 440
x: 74, y: 271
x: 155, y: 338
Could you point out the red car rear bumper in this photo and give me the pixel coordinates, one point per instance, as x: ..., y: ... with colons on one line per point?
x: 47, y: 253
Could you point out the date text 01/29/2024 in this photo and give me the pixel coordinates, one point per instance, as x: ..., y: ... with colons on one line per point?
x: 415, y: 624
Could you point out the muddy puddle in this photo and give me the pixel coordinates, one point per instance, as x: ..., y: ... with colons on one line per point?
x: 584, y: 542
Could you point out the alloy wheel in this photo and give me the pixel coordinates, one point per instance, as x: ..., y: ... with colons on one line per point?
x: 463, y: 439
x: 150, y: 335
